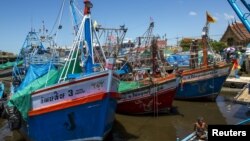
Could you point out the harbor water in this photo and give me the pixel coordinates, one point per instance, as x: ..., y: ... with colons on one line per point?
x: 166, y: 126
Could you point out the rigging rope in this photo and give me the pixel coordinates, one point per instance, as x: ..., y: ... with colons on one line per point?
x: 58, y: 19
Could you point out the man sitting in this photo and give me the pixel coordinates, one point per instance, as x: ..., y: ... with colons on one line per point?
x: 200, y: 128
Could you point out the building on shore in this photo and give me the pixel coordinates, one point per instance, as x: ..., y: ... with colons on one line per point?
x: 236, y: 35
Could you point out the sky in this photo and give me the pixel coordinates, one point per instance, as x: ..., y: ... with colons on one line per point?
x: 174, y: 18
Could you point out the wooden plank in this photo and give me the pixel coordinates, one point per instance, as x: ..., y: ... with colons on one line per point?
x: 243, y: 96
x: 242, y: 79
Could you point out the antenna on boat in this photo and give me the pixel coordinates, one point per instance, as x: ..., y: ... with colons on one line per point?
x: 31, y: 22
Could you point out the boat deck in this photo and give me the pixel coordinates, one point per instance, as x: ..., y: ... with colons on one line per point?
x: 243, y: 96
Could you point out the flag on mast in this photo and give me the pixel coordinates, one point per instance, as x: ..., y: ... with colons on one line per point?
x: 210, y: 19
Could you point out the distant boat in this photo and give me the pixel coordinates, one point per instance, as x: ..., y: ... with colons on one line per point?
x: 81, y: 106
x: 203, y: 80
x: 35, y: 58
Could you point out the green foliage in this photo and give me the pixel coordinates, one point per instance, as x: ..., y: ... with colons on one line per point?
x: 185, y: 44
x: 218, y: 46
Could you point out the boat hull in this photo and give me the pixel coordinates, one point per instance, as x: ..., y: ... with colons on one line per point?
x: 205, y: 84
x: 84, y: 109
x: 149, y: 99
x: 90, y: 121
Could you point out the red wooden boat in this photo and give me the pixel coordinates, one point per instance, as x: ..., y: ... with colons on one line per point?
x: 148, y: 96
x: 152, y: 93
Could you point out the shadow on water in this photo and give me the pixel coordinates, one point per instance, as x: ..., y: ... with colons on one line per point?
x: 173, y: 111
x: 7, y: 135
x: 119, y: 133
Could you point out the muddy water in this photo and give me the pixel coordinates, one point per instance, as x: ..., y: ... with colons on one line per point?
x: 166, y: 126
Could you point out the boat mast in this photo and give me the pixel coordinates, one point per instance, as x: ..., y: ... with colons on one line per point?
x: 88, y: 36
x: 73, y: 11
x: 205, y: 44
x: 113, y: 38
x: 155, y: 65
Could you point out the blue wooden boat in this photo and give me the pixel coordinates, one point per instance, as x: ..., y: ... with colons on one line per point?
x: 203, y: 80
x: 80, y: 106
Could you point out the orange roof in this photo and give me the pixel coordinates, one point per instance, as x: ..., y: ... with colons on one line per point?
x: 239, y: 30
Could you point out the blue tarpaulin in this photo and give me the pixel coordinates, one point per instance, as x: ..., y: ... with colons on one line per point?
x: 34, y: 72
x: 181, y: 60
x: 1, y: 90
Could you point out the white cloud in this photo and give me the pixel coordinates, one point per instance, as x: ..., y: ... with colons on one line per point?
x: 228, y: 16
x: 192, y: 13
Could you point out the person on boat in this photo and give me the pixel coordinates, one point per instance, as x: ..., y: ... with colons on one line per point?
x: 200, y: 128
x: 236, y: 66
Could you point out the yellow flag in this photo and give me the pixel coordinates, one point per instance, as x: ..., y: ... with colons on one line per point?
x: 210, y: 19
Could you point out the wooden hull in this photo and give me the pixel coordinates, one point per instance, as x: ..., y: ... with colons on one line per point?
x: 148, y: 99
x: 80, y: 109
x: 202, y: 83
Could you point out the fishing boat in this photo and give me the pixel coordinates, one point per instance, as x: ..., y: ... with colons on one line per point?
x: 148, y: 93
x: 154, y: 96
x: 37, y: 55
x: 81, y: 106
x: 203, y: 80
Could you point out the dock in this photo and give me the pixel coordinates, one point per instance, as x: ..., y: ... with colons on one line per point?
x: 233, y: 82
x: 243, y: 96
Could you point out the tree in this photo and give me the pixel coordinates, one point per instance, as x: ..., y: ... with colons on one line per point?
x: 186, y: 42
x: 218, y: 46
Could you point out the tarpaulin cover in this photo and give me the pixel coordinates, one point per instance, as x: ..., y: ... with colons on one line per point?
x: 181, y: 60
x: 34, y: 72
x: 22, y: 99
x: 125, y: 69
x: 128, y: 85
x: 1, y: 90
